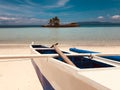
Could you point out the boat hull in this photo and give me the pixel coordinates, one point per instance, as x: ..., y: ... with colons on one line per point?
x: 64, y: 77
x: 57, y: 75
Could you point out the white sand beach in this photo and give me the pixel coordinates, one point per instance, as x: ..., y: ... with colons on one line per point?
x: 17, y: 74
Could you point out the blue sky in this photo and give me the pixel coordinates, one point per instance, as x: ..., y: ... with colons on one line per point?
x: 39, y: 11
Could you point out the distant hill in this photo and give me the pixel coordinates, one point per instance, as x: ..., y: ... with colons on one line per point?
x: 96, y: 23
x: 18, y: 26
x: 81, y: 24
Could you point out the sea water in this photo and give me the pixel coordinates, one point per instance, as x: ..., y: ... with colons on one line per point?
x: 73, y: 36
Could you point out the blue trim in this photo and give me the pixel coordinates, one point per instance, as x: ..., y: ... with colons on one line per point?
x: 116, y: 58
x: 81, y: 51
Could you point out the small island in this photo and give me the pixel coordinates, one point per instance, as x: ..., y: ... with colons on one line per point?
x: 55, y: 22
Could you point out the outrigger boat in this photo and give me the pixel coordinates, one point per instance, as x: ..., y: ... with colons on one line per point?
x: 61, y: 70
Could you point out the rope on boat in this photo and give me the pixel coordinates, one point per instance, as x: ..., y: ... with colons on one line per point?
x: 65, y: 58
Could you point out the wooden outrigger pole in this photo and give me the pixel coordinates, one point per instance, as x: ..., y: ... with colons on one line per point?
x: 65, y: 58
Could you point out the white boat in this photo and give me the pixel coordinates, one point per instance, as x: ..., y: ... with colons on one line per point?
x: 44, y: 69
x: 96, y: 73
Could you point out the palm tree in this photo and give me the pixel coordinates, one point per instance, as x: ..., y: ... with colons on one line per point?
x: 50, y: 22
x: 56, y: 21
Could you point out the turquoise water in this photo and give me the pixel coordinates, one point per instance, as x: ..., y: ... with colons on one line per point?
x: 77, y: 35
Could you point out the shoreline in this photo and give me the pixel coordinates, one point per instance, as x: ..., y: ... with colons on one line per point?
x: 14, y: 49
x: 65, y: 43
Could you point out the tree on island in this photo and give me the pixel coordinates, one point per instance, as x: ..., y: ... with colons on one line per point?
x: 54, y: 21
x: 51, y: 22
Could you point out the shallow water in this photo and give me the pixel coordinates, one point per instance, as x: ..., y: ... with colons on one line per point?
x: 77, y: 35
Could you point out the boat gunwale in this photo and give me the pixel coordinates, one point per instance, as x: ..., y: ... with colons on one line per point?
x: 96, y: 56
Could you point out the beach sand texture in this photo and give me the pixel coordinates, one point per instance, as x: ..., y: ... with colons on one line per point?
x: 17, y: 74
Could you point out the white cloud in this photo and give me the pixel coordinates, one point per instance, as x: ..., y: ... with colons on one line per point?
x: 6, y: 18
x: 29, y: 8
x: 31, y: 2
x: 116, y: 17
x: 21, y: 10
x: 62, y: 2
x: 100, y: 17
x: 59, y: 3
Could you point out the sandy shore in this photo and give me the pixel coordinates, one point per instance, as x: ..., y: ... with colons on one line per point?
x: 13, y: 49
x: 17, y: 74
